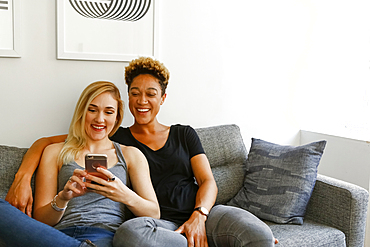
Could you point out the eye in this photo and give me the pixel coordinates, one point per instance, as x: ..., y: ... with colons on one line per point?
x: 134, y: 93
x: 151, y: 93
x: 91, y: 110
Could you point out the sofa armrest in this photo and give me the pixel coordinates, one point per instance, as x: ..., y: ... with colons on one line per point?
x: 341, y: 205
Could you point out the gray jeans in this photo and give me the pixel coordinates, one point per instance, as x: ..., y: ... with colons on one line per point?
x: 226, y: 226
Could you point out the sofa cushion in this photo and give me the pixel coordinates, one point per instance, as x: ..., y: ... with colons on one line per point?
x: 227, y: 156
x: 279, y: 180
x: 10, y: 160
x: 308, y: 234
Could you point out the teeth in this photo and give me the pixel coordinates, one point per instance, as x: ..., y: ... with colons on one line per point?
x: 143, y: 110
x: 98, y: 127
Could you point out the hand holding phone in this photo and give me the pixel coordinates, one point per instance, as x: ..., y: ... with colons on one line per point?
x: 93, y: 161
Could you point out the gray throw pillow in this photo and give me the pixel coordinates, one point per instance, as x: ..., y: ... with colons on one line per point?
x: 279, y: 180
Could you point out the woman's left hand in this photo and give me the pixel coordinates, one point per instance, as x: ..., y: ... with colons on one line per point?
x: 113, y: 188
x: 195, y: 230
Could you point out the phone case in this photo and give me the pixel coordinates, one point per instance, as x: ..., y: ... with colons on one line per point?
x: 93, y: 161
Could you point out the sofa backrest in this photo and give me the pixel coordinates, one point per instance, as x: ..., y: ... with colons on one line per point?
x: 223, y: 145
x: 227, y: 155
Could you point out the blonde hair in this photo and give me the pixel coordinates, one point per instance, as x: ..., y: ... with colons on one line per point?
x: 147, y: 65
x: 77, y: 138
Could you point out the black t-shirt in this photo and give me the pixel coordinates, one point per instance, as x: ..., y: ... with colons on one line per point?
x: 170, y: 169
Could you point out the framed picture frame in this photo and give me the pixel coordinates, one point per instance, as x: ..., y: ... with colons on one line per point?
x: 82, y: 37
x: 10, y: 28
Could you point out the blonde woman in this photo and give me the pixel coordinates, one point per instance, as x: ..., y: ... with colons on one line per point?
x: 82, y: 206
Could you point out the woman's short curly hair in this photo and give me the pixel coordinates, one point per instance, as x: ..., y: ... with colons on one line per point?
x: 147, y: 65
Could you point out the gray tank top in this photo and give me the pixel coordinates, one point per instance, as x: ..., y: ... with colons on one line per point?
x: 93, y: 209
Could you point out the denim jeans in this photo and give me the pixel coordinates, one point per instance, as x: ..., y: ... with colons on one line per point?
x: 17, y: 229
x: 100, y: 237
x: 226, y: 226
x: 230, y: 226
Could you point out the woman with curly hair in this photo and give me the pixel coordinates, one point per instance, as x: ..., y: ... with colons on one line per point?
x: 175, y: 156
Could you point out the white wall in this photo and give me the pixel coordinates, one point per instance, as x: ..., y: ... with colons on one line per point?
x: 229, y: 64
x: 334, y: 83
x: 269, y: 66
x: 343, y: 158
x: 38, y: 92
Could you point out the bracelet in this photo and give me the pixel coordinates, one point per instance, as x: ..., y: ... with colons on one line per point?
x: 55, y: 206
x: 202, y: 210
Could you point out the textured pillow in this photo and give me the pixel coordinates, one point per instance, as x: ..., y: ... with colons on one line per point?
x: 279, y: 180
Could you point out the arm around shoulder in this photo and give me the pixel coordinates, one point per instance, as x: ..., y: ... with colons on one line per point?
x: 20, y: 192
x: 33, y: 156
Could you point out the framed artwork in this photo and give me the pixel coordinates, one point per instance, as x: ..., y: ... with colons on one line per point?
x: 106, y: 30
x: 9, y: 28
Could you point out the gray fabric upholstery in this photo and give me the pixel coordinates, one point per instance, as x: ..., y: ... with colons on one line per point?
x: 10, y: 160
x: 335, y: 214
x: 227, y: 155
x: 335, y: 207
x: 341, y: 205
x: 310, y: 234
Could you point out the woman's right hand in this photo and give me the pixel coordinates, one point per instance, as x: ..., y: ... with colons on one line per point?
x: 20, y: 192
x: 75, y: 186
x: 20, y: 195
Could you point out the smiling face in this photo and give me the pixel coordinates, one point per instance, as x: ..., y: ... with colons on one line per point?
x: 101, y: 116
x: 145, y: 98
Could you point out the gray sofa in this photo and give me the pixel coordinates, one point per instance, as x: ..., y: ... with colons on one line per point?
x: 336, y: 213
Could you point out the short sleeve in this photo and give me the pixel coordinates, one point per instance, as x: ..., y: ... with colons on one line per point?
x: 193, y: 142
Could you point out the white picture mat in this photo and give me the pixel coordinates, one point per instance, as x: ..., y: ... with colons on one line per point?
x: 82, y: 38
x: 10, y: 29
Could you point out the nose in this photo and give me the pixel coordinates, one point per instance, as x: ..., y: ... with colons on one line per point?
x: 142, y: 100
x: 100, y: 117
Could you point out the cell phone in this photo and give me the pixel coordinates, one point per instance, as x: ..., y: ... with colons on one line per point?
x: 93, y: 161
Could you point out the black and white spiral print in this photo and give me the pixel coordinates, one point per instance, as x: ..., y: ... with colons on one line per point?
x: 4, y: 5
x: 125, y: 10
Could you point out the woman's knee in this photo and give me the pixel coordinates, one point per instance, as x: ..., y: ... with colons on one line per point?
x: 132, y: 231
x: 148, y: 232
x: 235, y: 226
